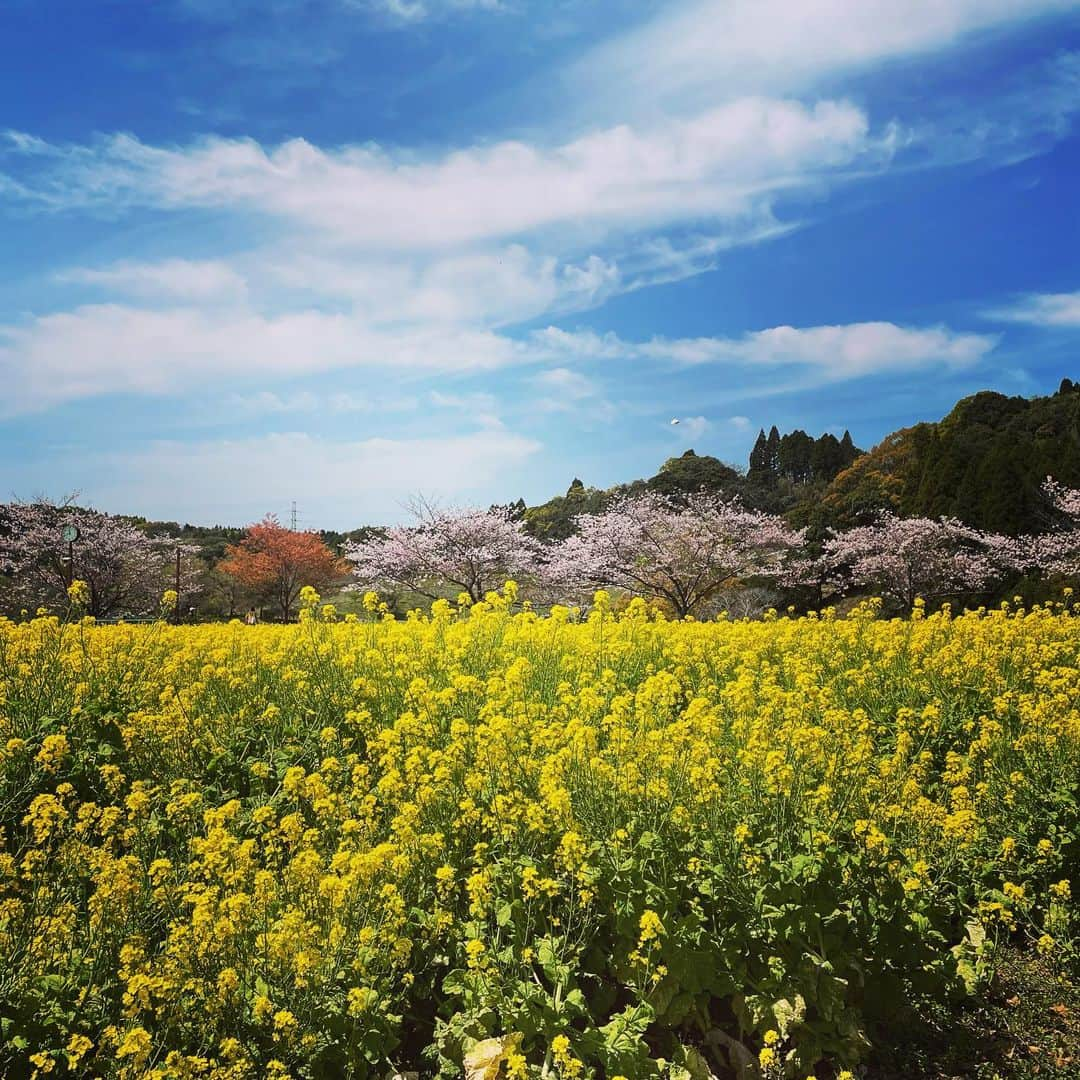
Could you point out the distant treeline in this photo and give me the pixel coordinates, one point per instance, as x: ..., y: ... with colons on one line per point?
x: 984, y: 463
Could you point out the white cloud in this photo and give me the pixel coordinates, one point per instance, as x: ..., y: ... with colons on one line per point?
x: 478, y: 402
x: 181, y: 280
x: 563, y: 390
x: 495, y: 286
x: 372, y: 403
x: 696, y: 51
x: 740, y: 423
x: 1042, y: 309
x: 401, y: 260
x: 393, y: 260
x: 338, y: 484
x: 111, y: 348
x: 410, y: 11
x: 267, y: 402
x: 691, y: 428
x: 725, y: 162
x: 270, y: 403
x: 571, y: 385
x: 835, y: 352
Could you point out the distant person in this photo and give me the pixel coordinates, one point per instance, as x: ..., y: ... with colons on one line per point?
x: 251, y: 618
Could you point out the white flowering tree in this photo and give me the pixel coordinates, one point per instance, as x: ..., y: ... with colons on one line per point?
x: 1058, y: 552
x: 683, y: 553
x: 125, y: 570
x: 902, y: 559
x: 467, y: 550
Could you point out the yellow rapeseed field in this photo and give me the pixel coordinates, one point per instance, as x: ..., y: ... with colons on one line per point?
x: 482, y: 842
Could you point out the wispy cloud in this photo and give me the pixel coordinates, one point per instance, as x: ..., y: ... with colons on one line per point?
x: 668, y: 63
x: 170, y: 279
x: 690, y: 428
x: 411, y: 11
x: 495, y: 286
x: 111, y: 348
x: 563, y: 390
x: 1041, y: 309
x: 730, y: 162
x: 571, y: 385
x: 834, y: 352
x: 100, y: 349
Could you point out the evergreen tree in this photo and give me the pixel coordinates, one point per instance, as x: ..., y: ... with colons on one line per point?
x: 772, y: 447
x: 793, y: 456
x: 848, y: 450
x: 826, y: 458
x: 762, y: 471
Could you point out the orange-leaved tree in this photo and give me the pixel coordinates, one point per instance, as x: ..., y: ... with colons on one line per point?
x: 277, y: 563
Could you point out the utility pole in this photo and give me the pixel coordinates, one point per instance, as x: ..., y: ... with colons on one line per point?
x: 70, y: 534
x: 176, y: 612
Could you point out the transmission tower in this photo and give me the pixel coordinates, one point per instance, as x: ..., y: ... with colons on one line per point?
x: 292, y: 517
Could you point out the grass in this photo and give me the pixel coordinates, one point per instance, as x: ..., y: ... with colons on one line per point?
x: 1026, y: 1025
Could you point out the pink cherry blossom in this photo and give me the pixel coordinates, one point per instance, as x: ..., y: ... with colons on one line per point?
x: 902, y: 559
x: 126, y: 570
x: 681, y: 552
x: 1058, y: 552
x: 471, y: 550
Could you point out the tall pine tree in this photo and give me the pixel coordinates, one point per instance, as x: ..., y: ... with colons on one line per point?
x: 761, y: 472
x: 772, y: 449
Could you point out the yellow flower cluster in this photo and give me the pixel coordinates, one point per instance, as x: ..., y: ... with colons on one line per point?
x: 494, y: 844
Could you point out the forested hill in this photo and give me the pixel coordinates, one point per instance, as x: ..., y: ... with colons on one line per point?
x: 983, y: 463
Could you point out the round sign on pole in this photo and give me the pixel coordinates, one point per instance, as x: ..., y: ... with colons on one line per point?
x: 71, y: 534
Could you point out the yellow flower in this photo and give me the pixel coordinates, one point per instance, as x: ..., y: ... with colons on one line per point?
x: 77, y: 1048
x: 651, y: 927
x: 1013, y: 891
x: 361, y: 999
x: 136, y: 1045
x: 285, y: 1024
x: 54, y: 749
x: 78, y: 593
x: 474, y: 951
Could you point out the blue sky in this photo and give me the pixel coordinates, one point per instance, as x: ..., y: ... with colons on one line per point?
x: 346, y: 251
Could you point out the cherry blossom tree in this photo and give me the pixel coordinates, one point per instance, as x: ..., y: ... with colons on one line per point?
x: 902, y: 559
x: 125, y: 570
x: 276, y: 562
x: 683, y: 553
x: 1058, y: 552
x: 470, y: 550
